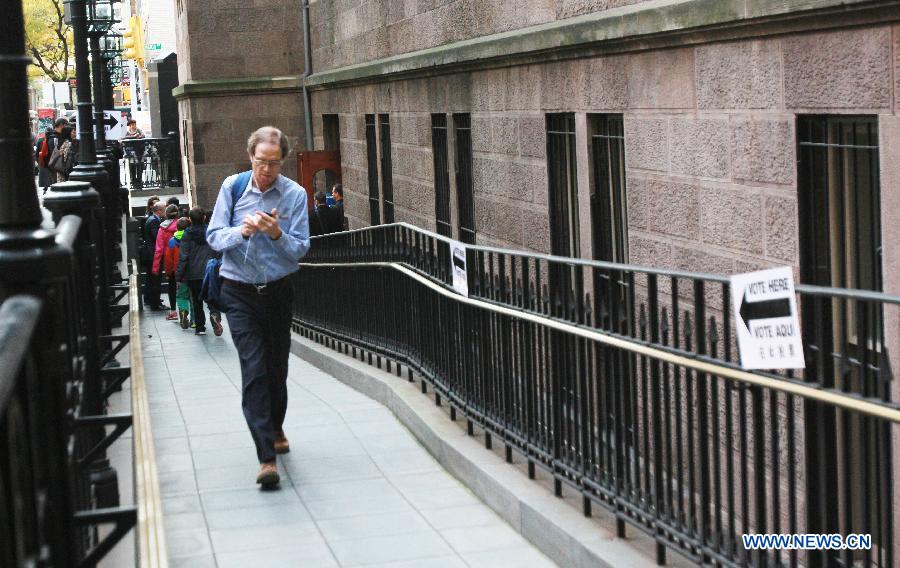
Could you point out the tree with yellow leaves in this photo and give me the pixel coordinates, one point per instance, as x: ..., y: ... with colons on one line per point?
x: 48, y: 38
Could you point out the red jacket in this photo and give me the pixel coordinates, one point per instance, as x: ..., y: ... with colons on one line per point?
x: 166, y: 231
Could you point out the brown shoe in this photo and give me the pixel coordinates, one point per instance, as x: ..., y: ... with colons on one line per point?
x: 268, y: 474
x: 282, y: 446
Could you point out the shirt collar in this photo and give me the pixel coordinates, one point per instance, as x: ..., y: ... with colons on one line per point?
x: 276, y: 185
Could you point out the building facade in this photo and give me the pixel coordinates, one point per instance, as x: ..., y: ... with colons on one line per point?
x: 239, y: 67
x: 716, y: 136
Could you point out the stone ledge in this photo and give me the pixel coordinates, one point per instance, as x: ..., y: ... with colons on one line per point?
x: 555, y: 526
x: 244, y: 86
x: 646, y: 25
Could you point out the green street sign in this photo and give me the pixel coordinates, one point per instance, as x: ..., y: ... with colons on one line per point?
x: 152, y: 46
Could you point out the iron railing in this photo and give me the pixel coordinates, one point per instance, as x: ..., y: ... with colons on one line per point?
x: 57, y: 485
x: 151, y: 163
x: 625, y: 387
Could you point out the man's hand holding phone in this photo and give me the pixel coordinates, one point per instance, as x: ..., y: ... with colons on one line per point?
x: 267, y: 223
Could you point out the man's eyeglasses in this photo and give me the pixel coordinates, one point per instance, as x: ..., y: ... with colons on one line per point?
x: 264, y: 163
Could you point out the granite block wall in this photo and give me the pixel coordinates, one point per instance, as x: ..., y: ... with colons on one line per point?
x: 709, y: 135
x: 216, y: 130
x: 347, y: 32
x: 220, y: 39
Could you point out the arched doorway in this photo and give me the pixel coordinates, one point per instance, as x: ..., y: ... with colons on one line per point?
x: 309, y: 164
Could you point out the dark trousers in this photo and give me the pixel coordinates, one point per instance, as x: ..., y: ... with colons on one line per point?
x: 199, y: 316
x: 173, y: 288
x: 261, y: 329
x: 154, y: 287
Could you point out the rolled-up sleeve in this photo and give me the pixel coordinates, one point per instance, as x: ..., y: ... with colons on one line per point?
x: 220, y: 234
x: 294, y: 241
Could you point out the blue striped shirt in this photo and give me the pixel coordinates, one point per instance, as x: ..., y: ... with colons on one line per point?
x: 260, y: 259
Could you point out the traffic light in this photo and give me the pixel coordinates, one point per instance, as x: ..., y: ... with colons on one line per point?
x: 133, y: 40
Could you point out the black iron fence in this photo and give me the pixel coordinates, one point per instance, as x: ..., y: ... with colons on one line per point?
x: 57, y: 373
x: 624, y: 386
x: 151, y: 163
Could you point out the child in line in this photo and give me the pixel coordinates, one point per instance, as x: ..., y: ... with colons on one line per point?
x: 195, y: 253
x: 170, y: 263
x: 166, y: 230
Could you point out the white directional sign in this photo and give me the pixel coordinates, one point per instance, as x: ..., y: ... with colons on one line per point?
x: 458, y: 267
x: 114, y: 121
x: 765, y: 314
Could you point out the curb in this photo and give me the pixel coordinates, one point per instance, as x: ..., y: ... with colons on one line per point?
x: 556, y: 527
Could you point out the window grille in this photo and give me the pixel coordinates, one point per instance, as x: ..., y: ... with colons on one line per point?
x: 372, y: 163
x: 387, y: 183
x: 839, y: 209
x: 441, y: 174
x: 563, y: 184
x: 462, y: 131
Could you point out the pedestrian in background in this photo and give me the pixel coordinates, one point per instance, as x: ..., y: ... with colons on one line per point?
x: 44, y: 151
x: 64, y: 158
x: 135, y: 153
x: 195, y: 254
x: 325, y: 219
x: 148, y: 250
x: 261, y: 227
x: 337, y: 193
x: 166, y: 231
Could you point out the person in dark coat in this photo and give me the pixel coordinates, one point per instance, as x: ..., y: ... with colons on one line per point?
x: 324, y: 219
x: 51, y: 138
x: 337, y: 192
x: 195, y: 254
x: 151, y: 228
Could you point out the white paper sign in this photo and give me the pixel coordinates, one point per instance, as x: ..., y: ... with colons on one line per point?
x: 765, y: 315
x: 458, y: 267
x: 114, y: 124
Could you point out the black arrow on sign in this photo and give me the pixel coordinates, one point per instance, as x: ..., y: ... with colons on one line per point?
x: 109, y: 121
x: 779, y: 308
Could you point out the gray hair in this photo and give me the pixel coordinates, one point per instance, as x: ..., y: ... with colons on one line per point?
x: 268, y: 134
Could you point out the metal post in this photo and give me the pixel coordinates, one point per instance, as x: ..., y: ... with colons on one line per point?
x: 111, y: 197
x: 19, y: 207
x: 97, y: 65
x: 91, y: 171
x: 31, y: 261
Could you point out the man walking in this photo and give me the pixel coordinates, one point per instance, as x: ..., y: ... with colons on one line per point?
x: 261, y: 226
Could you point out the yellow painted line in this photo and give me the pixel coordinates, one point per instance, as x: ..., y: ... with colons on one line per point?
x: 836, y: 399
x: 151, y: 534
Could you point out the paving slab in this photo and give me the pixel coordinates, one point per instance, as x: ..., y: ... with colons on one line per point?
x: 357, y: 488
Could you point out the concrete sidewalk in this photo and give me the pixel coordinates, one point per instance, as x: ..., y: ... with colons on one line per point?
x: 357, y: 488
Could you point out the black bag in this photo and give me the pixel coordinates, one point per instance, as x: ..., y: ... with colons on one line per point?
x: 57, y: 162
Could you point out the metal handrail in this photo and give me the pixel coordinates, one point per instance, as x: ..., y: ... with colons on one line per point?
x: 151, y: 534
x: 67, y: 230
x: 681, y: 274
x: 625, y: 386
x: 18, y: 320
x: 879, y: 409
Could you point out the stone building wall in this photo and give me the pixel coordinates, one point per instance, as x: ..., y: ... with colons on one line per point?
x: 353, y: 31
x: 709, y: 135
x: 229, y: 53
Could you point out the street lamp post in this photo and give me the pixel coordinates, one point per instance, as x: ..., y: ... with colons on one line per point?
x: 100, y: 19
x: 103, y: 476
x: 101, y: 16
